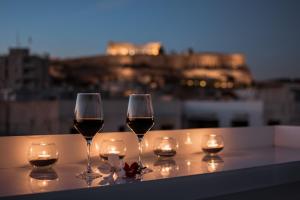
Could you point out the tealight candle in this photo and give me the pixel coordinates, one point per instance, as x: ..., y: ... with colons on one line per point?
x: 212, y: 144
x: 113, y: 150
x: 165, y: 147
x: 112, y: 147
x: 42, y: 154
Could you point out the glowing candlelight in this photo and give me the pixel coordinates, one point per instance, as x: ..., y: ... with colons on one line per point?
x: 212, y: 142
x: 112, y: 147
x: 44, y: 155
x: 166, y: 147
x: 113, y: 150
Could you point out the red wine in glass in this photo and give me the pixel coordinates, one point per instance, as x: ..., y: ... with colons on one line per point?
x: 140, y: 125
x: 88, y: 127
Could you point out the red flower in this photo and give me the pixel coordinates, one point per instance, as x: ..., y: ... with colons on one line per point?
x: 132, y: 170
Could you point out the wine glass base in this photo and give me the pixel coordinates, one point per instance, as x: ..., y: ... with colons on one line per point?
x: 143, y: 172
x: 146, y: 170
x: 88, y: 175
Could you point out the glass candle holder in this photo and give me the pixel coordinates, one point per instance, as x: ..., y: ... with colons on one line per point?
x: 42, y: 154
x: 112, y: 147
x: 212, y: 144
x: 165, y: 147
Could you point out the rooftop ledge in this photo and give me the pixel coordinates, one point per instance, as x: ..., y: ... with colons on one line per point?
x: 253, y: 158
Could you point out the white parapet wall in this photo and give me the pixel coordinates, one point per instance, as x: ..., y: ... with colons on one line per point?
x: 72, y: 149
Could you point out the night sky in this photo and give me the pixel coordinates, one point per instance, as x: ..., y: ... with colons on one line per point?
x: 267, y: 31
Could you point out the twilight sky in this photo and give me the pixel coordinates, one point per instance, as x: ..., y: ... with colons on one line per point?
x: 267, y: 31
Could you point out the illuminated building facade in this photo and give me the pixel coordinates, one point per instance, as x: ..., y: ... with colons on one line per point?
x: 125, y: 48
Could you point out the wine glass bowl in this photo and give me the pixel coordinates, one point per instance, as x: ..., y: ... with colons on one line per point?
x: 88, y: 127
x: 140, y: 117
x: 88, y: 121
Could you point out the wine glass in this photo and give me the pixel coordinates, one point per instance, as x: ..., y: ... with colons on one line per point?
x: 88, y: 121
x: 140, y: 116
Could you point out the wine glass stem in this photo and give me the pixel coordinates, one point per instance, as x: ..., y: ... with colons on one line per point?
x: 140, y: 152
x: 89, y: 166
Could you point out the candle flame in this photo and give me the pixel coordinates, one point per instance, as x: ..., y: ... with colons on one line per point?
x: 44, y: 154
x: 166, y: 147
x: 113, y: 150
x: 212, y: 142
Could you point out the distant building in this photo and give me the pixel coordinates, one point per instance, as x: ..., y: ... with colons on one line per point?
x: 206, y: 114
x: 28, y: 117
x: 125, y: 48
x: 128, y: 68
x: 21, y: 71
x: 282, y: 101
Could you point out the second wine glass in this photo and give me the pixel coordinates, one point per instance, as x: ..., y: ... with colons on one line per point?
x: 140, y: 117
x: 88, y: 121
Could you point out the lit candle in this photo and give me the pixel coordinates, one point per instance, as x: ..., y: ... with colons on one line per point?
x: 166, y: 147
x: 212, y: 142
x: 113, y: 150
x: 44, y: 155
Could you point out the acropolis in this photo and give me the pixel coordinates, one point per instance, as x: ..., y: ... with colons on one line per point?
x: 127, y: 66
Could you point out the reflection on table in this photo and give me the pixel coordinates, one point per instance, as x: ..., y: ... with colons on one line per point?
x: 42, y: 180
x: 214, y: 163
